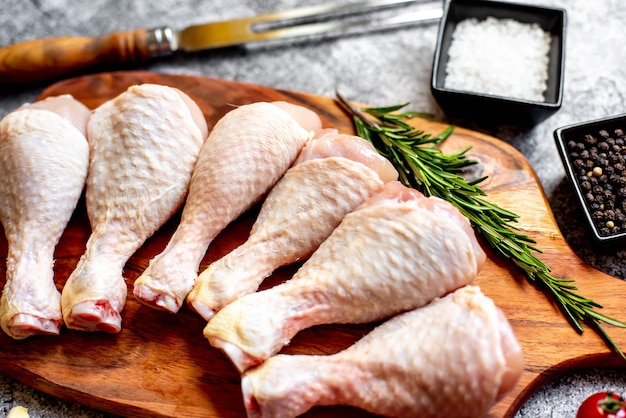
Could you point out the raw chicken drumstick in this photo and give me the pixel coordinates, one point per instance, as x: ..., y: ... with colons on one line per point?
x: 247, y: 152
x: 399, y: 250
x: 43, y: 164
x: 455, y: 357
x: 333, y: 174
x: 144, y: 144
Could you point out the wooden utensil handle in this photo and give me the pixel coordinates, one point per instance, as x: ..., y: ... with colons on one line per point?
x: 44, y: 59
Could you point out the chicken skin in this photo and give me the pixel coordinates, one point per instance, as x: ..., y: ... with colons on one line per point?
x: 247, y: 152
x: 399, y: 250
x: 455, y: 357
x: 333, y: 175
x: 144, y: 144
x: 43, y: 165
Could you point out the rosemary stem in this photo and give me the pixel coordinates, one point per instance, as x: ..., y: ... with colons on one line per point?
x: 422, y: 166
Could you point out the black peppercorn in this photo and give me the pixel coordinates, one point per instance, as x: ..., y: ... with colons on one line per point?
x: 590, y: 139
x: 614, y: 158
x: 609, y: 204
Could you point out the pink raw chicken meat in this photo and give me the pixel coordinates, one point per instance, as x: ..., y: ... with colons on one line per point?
x: 43, y: 164
x: 144, y: 144
x: 247, y: 152
x: 399, y: 250
x: 333, y: 175
x: 455, y: 357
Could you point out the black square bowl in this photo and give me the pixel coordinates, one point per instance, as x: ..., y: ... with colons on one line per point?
x: 494, y: 109
x: 589, y: 151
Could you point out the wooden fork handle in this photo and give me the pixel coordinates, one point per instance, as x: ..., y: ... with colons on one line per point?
x: 50, y: 58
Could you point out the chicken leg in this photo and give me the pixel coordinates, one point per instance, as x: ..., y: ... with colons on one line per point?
x: 43, y: 164
x: 455, y: 357
x: 144, y: 144
x: 399, y: 250
x: 248, y: 151
x: 333, y: 175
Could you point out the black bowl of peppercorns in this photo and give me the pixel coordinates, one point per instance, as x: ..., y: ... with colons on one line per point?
x: 594, y: 156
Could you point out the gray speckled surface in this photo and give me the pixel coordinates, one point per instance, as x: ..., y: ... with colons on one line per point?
x: 378, y: 68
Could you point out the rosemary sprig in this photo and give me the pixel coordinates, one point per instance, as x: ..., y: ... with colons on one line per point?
x: 422, y: 166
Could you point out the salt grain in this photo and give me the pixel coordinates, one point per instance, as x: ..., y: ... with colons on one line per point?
x: 500, y: 57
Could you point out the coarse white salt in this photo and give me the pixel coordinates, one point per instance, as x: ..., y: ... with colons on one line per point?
x: 501, y: 57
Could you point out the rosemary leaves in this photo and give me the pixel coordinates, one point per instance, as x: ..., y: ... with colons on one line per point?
x: 423, y: 166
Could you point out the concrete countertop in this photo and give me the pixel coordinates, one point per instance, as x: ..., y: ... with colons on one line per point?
x: 381, y: 68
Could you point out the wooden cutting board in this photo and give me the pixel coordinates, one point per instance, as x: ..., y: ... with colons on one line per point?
x: 161, y: 365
